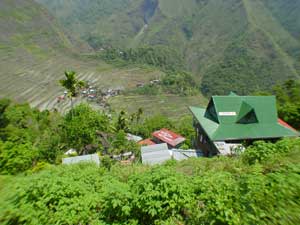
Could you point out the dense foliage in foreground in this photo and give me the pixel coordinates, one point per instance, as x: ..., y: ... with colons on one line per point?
x: 259, y: 187
x: 31, y: 139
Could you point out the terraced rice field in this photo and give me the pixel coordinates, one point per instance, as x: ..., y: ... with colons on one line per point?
x: 172, y: 106
x: 36, y: 81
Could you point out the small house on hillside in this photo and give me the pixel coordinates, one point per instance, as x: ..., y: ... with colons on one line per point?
x: 166, y: 136
x: 172, y: 139
x: 231, y: 120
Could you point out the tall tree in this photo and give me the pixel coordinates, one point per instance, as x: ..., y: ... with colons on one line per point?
x: 72, y: 84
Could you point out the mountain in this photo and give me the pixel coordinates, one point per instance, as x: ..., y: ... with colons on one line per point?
x: 35, y: 50
x: 232, y: 45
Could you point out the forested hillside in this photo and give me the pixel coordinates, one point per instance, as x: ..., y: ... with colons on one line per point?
x: 234, y: 45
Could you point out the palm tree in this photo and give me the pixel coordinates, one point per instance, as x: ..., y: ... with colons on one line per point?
x: 72, y: 84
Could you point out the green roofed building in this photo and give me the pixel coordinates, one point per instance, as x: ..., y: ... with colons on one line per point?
x: 231, y: 120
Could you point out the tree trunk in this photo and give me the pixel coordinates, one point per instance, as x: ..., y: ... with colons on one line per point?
x: 72, y: 107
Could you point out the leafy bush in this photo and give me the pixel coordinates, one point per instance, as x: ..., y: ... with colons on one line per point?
x: 261, y: 151
x: 16, y: 158
x: 160, y: 195
x: 151, y: 124
x: 80, y: 127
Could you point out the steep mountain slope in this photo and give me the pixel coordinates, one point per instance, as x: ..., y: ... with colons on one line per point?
x: 84, y: 18
x: 240, y: 45
x: 35, y: 52
x: 287, y: 14
x: 264, y: 54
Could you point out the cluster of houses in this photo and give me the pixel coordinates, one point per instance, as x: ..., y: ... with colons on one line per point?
x: 101, y: 94
x: 165, y: 145
x: 222, y: 128
x: 92, y: 93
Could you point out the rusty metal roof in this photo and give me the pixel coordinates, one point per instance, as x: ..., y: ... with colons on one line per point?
x: 146, y: 142
x: 168, y: 137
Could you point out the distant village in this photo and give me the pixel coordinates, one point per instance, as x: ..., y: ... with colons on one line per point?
x: 100, y: 96
x: 223, y: 128
x: 94, y: 94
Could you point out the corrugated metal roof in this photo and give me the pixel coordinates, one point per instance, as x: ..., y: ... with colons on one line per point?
x: 285, y: 124
x: 179, y: 154
x: 135, y: 138
x: 264, y: 106
x: 262, y: 123
x: 168, y: 137
x: 147, y: 142
x: 155, y: 154
x: 85, y: 158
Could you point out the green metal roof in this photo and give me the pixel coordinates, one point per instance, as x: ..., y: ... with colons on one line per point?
x: 236, y: 117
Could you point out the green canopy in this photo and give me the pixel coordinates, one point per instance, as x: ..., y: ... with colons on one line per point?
x: 236, y: 117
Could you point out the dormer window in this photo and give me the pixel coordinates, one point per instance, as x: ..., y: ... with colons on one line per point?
x: 247, y: 114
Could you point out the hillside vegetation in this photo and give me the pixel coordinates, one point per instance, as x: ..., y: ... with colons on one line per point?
x: 259, y: 186
x: 234, y: 45
x: 35, y: 50
x: 196, y: 191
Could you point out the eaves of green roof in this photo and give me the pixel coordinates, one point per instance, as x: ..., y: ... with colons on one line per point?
x: 251, y: 131
x: 209, y: 125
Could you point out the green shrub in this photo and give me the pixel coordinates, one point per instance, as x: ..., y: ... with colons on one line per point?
x: 80, y: 126
x: 16, y: 158
x: 159, y: 195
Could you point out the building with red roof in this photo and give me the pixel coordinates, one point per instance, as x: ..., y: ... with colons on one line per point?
x: 166, y: 136
x: 285, y: 124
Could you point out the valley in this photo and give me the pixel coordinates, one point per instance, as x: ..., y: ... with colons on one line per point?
x: 238, y: 45
x: 35, y: 51
x: 235, y: 45
x: 149, y: 112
